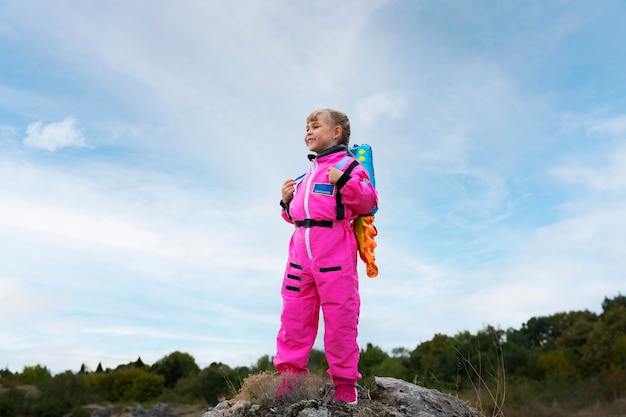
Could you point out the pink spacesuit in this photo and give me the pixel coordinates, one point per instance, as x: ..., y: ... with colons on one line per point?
x: 322, y: 267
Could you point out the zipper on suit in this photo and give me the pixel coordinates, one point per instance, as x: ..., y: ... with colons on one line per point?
x: 307, y: 212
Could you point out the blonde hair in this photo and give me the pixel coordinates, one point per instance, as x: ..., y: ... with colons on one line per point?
x: 335, y: 118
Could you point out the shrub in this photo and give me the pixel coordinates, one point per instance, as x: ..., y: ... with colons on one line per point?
x: 34, y: 375
x: 130, y: 384
x: 262, y: 387
x: 50, y: 407
x: 7, y: 406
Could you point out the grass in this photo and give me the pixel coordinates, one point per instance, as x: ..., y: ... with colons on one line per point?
x: 262, y: 388
x: 490, y: 385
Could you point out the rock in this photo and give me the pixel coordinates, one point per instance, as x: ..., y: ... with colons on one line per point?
x: 104, y: 412
x: 415, y: 401
x: 161, y: 410
x: 157, y: 410
x: 307, y: 408
x: 218, y: 411
x: 388, y: 397
x: 240, y: 407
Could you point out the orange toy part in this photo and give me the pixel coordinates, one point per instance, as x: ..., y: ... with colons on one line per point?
x: 365, y: 231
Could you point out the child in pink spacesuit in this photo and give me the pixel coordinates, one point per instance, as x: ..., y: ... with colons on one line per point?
x: 321, y: 269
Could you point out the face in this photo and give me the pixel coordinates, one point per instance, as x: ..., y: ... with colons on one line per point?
x: 320, y: 135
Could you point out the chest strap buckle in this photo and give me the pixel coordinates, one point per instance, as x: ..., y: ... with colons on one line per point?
x: 313, y: 223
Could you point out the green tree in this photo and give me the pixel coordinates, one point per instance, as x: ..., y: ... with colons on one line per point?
x: 517, y: 354
x: 423, y: 359
x: 565, y: 331
x: 574, y: 339
x: 34, y: 375
x: 390, y: 366
x: 72, y: 389
x: 370, y: 359
x: 136, y: 364
x: 543, y: 332
x: 598, y: 353
x: 8, y: 407
x: 618, y: 353
x: 50, y: 407
x: 264, y: 363
x: 6, y: 373
x: 212, y: 383
x: 400, y: 352
x: 146, y: 386
x: 59, y: 394
x: 554, y: 364
x: 128, y: 384
x: 609, y: 303
x: 175, y: 366
x: 15, y: 399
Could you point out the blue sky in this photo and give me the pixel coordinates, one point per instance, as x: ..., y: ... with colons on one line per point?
x: 143, y: 145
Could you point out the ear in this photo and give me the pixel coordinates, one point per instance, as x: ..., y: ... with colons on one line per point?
x: 337, y: 131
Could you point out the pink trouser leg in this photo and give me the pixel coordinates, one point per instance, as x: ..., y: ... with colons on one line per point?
x: 299, y: 320
x: 330, y: 280
x: 341, y: 316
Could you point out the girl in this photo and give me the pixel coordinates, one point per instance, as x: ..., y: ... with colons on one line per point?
x: 322, y: 265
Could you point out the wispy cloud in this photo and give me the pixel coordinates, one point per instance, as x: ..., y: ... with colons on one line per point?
x: 611, y: 126
x: 371, y: 108
x: 188, y: 116
x: 69, y: 223
x: 605, y: 168
x: 54, y: 136
x: 610, y: 176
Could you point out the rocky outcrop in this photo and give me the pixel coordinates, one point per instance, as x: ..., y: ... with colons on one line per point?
x: 388, y: 397
x: 413, y: 400
x: 157, y: 410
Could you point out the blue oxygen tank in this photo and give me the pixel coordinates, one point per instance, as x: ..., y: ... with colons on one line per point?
x: 363, y: 154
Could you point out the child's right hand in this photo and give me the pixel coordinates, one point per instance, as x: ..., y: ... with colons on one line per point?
x: 289, y: 187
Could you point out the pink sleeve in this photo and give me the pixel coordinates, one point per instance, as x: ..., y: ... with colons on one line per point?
x: 284, y: 214
x: 358, y: 192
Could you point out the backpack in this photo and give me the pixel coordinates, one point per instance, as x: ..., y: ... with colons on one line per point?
x: 363, y: 226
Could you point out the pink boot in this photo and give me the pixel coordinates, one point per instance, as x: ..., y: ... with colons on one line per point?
x: 345, y: 390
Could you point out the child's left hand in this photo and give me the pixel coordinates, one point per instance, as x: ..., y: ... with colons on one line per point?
x: 334, y: 174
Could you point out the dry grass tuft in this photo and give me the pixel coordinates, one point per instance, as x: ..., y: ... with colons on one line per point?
x: 262, y: 387
x: 490, y: 389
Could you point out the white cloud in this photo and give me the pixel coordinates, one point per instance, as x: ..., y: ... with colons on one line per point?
x: 17, y: 299
x: 7, y: 133
x: 576, y: 261
x: 479, y: 198
x: 128, y: 331
x: 609, y: 177
x: 75, y: 224
x: 377, y: 105
x: 202, y: 81
x: 600, y: 232
x: 54, y: 136
x: 612, y: 126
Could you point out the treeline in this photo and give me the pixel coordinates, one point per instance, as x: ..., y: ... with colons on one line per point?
x: 575, y: 358
x: 552, y: 364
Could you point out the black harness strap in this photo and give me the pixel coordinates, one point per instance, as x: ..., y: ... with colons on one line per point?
x: 341, y: 209
x: 313, y: 223
x: 341, y: 215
